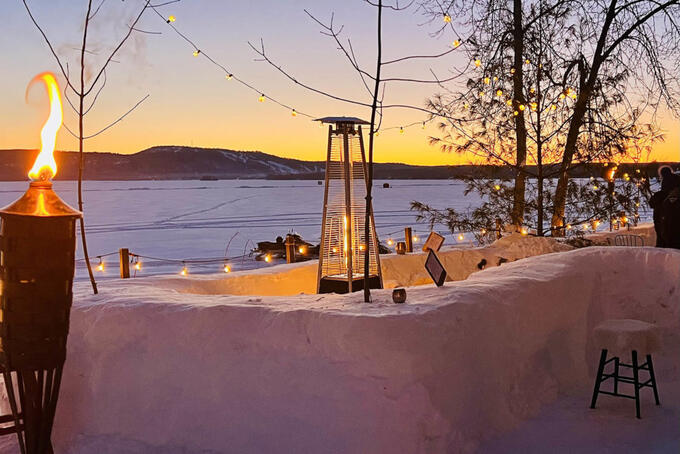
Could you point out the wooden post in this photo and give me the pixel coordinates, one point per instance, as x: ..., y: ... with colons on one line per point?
x: 408, y: 238
x: 124, y: 263
x: 499, y: 228
x: 290, y: 249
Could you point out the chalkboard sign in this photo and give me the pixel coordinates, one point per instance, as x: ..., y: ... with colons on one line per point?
x: 435, y: 268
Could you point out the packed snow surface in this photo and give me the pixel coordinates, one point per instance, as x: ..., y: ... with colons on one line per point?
x: 458, y: 369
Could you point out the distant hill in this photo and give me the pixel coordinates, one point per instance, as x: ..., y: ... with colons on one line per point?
x: 186, y: 163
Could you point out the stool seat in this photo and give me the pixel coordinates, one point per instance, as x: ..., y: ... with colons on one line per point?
x: 621, y: 336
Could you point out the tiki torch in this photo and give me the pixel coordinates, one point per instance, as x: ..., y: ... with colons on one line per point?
x: 37, y: 261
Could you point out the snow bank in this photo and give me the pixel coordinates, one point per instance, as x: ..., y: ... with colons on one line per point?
x: 154, y: 370
x: 646, y: 231
x: 398, y: 270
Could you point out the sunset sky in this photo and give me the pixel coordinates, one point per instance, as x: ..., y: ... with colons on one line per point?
x: 190, y: 101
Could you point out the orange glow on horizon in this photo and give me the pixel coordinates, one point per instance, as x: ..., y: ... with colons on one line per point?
x: 45, y: 167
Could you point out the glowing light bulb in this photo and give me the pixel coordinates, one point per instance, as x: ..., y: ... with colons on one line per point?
x: 302, y: 250
x: 362, y: 247
x: 512, y: 70
x: 478, y: 63
x: 487, y: 80
x: 100, y: 267
x: 481, y: 94
x: 509, y: 102
x: 534, y: 106
x: 261, y: 98
x: 227, y: 269
x: 497, y: 187
x: 483, y: 232
x: 521, y: 107
x: 516, y: 113
x: 423, y: 125
x: 267, y: 258
x: 197, y: 52
x: 595, y: 188
x: 562, y: 96
x: 461, y: 237
x: 184, y: 271
x: 499, y: 93
x: 495, y: 78
x: 170, y: 19
x: 390, y: 242
x: 568, y: 226
x: 524, y: 231
x: 293, y: 113
x: 138, y: 266
x: 401, y: 130
x: 466, y: 106
x: 415, y: 238
x: 456, y: 43
x: 447, y: 18
x: 527, y: 61
x: 229, y: 76
x: 335, y: 249
x: 553, y: 107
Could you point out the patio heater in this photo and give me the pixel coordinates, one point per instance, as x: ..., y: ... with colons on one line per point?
x: 343, y: 238
x: 37, y: 261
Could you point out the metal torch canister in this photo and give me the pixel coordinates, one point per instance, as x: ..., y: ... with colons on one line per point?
x: 37, y: 264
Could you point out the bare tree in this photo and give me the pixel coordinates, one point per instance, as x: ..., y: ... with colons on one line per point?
x: 84, y: 90
x: 623, y: 35
x: 378, y: 81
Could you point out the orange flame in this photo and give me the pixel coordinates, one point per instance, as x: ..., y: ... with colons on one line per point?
x: 45, y: 167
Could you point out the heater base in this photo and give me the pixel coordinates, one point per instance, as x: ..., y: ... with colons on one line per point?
x: 341, y: 284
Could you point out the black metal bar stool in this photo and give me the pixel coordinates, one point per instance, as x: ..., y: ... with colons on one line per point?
x: 621, y: 338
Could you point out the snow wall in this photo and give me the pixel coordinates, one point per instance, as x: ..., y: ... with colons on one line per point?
x: 154, y: 370
x: 398, y: 270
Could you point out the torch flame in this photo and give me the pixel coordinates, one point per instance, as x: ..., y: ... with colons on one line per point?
x: 45, y: 167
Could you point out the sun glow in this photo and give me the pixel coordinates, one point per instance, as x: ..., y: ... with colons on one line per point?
x: 45, y: 167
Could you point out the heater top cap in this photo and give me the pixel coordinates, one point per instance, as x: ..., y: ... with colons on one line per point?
x: 40, y: 200
x: 352, y: 120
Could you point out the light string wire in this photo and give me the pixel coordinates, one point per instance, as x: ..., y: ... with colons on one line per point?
x: 229, y: 75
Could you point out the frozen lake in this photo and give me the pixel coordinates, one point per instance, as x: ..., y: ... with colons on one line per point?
x: 195, y: 219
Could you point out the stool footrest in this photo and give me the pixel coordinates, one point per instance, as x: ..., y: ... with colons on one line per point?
x: 635, y: 380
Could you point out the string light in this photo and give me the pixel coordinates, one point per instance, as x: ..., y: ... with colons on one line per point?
x: 461, y: 237
x: 293, y: 113
x: 415, y: 238
x: 512, y: 70
x: 487, y: 80
x: 483, y: 232
x: 423, y: 125
x: 456, y: 43
x: 481, y: 94
x: 447, y: 18
x: 499, y: 93
x: 516, y: 113
x: 138, y: 265
x: 227, y: 268
x: 527, y: 61
x: 524, y: 231
x: 534, y: 106
x: 229, y: 76
x: 509, y: 102
x: 521, y: 107
x: 302, y: 250
x: 261, y: 98
x: 100, y: 267
x: 267, y: 258
x: 390, y: 242
x: 497, y: 187
x: 401, y: 130
x: 184, y: 271
x: 170, y: 19
x: 478, y: 63
x: 197, y: 52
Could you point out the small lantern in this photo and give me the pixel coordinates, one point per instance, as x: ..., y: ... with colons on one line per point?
x: 343, y: 238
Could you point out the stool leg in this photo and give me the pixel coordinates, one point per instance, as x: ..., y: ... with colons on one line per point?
x: 598, y: 379
x: 653, y: 377
x: 636, y: 383
x: 616, y: 375
x: 7, y: 376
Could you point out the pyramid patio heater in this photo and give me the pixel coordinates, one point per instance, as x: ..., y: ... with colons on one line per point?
x: 343, y: 239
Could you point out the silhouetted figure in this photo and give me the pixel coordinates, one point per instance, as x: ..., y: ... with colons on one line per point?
x: 666, y: 206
